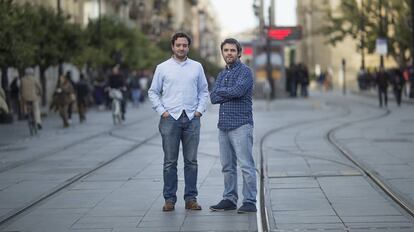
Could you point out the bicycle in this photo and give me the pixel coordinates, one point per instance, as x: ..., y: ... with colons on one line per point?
x: 31, y: 118
x: 116, y: 96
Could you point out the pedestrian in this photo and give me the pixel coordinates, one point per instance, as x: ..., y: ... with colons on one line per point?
x: 31, y: 91
x: 143, y: 82
x: 382, y: 83
x: 15, y: 97
x: 64, y: 96
x: 82, y: 97
x: 3, y: 105
x: 118, y: 81
x: 397, y: 85
x: 70, y: 106
x: 303, y: 79
x: 293, y: 80
x: 135, y: 88
x: 233, y: 91
x: 179, y: 93
x: 407, y: 84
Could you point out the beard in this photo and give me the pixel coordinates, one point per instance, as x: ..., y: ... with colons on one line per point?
x: 230, y: 59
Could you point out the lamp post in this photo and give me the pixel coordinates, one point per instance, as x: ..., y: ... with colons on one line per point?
x: 59, y: 7
x: 99, y: 24
x: 412, y: 51
x: 362, y: 34
x: 381, y: 31
x: 59, y: 11
x: 269, y: 68
x: 412, y: 34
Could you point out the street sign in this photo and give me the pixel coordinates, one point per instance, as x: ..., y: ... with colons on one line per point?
x: 248, y: 50
x: 381, y: 46
x: 284, y: 33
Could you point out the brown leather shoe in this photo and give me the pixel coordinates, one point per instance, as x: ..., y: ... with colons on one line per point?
x: 192, y: 205
x: 168, y: 206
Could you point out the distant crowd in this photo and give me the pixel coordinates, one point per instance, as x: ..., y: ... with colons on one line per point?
x: 399, y: 79
x: 70, y: 96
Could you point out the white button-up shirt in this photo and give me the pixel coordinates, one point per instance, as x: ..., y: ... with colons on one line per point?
x: 178, y: 86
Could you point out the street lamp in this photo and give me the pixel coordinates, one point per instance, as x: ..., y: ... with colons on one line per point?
x: 59, y: 7
x: 381, y: 31
x: 412, y: 34
x: 362, y: 32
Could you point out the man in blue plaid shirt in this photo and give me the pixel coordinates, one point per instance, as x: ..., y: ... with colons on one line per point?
x: 233, y: 91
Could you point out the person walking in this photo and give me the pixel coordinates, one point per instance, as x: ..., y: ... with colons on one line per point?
x: 16, y: 106
x: 179, y: 93
x: 31, y: 91
x: 118, y: 81
x: 382, y: 83
x: 135, y: 88
x: 64, y: 96
x: 397, y: 84
x: 233, y: 91
x: 82, y: 96
x: 3, y: 105
x: 304, y: 79
x: 70, y: 106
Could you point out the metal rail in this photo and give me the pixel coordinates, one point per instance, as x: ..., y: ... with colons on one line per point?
x: 264, y: 216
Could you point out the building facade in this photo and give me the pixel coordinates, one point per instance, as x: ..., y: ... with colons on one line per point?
x: 320, y: 56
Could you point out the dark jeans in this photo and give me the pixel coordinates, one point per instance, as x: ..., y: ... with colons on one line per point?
x: 172, y: 132
x: 398, y: 93
x: 382, y: 94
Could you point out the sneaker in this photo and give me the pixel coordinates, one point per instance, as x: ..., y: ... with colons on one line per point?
x: 39, y: 126
x: 192, y: 205
x: 223, y: 205
x: 247, y: 208
x: 168, y: 206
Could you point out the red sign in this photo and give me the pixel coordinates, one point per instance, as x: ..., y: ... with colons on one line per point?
x: 284, y: 33
x: 248, y: 50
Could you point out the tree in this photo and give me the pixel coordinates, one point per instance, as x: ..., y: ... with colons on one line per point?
x: 350, y: 19
x: 142, y: 53
x: 111, y: 42
x: 56, y: 40
x: 16, y: 38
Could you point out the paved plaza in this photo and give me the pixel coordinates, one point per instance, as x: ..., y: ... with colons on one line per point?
x: 117, y: 170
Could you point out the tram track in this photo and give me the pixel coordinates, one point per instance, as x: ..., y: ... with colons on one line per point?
x: 265, y: 215
x: 265, y: 218
x: 5, y: 219
x: 17, y: 164
x: 397, y: 198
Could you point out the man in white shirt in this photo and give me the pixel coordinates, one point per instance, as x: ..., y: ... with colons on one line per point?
x: 179, y: 94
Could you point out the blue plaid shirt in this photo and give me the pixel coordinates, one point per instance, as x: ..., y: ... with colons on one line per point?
x: 233, y: 91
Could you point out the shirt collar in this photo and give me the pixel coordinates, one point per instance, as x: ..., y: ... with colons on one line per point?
x: 179, y: 62
x: 234, y: 65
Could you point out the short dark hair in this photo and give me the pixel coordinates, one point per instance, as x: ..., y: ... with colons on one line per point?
x: 180, y: 35
x: 232, y: 41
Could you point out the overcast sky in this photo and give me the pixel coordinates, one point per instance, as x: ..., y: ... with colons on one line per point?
x: 237, y: 15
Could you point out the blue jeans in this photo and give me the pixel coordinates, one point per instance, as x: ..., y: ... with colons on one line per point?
x: 172, y: 132
x: 236, y: 146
